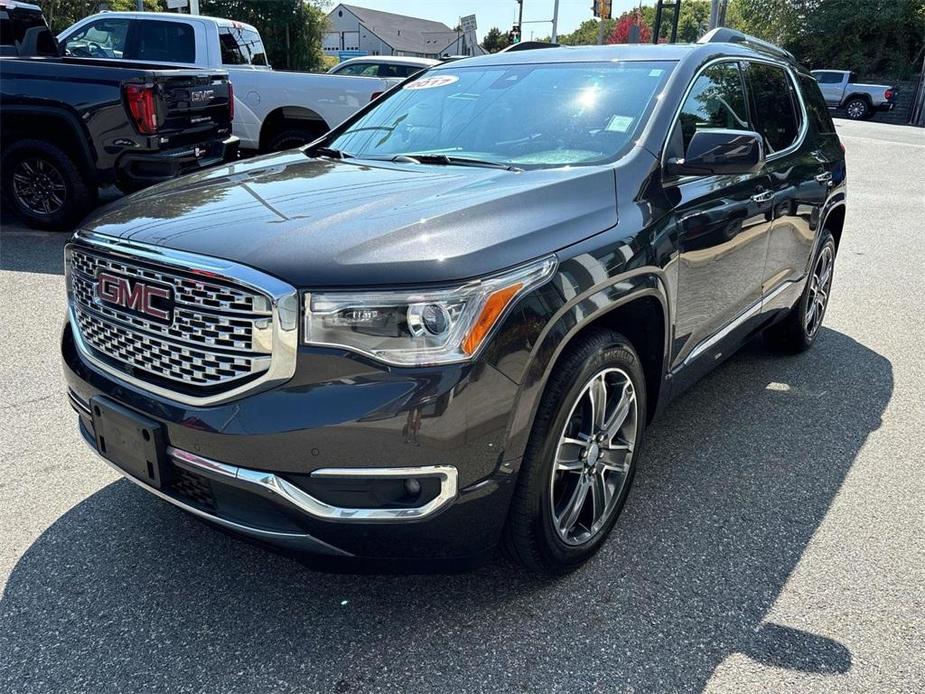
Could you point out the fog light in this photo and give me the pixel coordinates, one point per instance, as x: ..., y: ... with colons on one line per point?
x: 412, y: 487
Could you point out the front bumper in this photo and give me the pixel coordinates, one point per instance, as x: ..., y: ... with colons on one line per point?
x: 147, y: 168
x: 248, y: 464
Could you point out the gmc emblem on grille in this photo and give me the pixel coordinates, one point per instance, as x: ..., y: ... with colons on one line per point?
x: 146, y: 299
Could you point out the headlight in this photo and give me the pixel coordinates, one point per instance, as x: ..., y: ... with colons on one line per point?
x: 415, y: 328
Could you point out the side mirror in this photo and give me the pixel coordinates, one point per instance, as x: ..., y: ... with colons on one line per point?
x: 718, y: 151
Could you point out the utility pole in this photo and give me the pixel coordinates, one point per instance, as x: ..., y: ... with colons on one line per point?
x: 717, y: 13
x: 140, y: 5
x: 520, y: 17
x: 555, y: 20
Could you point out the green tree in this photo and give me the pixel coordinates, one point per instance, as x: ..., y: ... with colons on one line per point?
x: 291, y: 29
x: 495, y: 40
x: 62, y: 13
x: 586, y: 33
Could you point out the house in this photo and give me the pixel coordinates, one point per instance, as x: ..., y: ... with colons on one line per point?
x: 359, y: 31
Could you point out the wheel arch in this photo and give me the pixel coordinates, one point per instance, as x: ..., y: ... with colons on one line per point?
x: 55, y: 125
x: 834, y: 221
x: 859, y: 95
x: 635, y: 305
x: 285, y: 117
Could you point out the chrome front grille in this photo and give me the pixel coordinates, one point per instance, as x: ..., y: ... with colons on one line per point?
x: 221, y: 333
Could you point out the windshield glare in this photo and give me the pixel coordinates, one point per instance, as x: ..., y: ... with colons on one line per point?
x: 523, y: 115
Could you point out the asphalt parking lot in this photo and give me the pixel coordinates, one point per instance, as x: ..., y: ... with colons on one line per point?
x: 774, y: 540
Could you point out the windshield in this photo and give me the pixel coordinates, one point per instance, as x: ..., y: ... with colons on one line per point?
x: 520, y: 115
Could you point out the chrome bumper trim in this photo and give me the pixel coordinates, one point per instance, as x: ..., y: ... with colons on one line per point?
x: 306, y: 503
x: 78, y: 404
x: 299, y: 541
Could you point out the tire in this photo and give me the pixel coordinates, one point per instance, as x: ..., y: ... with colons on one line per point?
x: 65, y: 194
x: 292, y: 138
x: 857, y: 109
x: 799, y: 330
x: 540, y: 506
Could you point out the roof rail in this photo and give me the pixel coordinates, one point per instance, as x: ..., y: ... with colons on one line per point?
x: 727, y: 35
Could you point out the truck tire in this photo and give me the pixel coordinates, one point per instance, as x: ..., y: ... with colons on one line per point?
x: 292, y: 138
x: 44, y: 186
x: 857, y: 108
x: 551, y: 528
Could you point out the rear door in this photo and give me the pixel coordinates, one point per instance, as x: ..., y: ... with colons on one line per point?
x: 831, y: 84
x: 799, y: 167
x: 722, y: 224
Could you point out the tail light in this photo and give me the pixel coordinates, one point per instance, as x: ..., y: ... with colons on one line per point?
x: 375, y: 95
x: 140, y: 101
x: 230, y: 101
x: 888, y: 94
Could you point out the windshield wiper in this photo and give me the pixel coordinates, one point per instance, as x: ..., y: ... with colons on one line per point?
x: 451, y: 160
x: 329, y: 152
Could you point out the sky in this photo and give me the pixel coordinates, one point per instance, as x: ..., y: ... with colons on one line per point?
x: 499, y: 13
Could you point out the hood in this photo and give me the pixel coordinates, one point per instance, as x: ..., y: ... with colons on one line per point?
x: 318, y: 223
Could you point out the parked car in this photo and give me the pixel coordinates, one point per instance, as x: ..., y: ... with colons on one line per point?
x: 274, y: 109
x: 71, y: 125
x: 450, y: 321
x: 392, y: 66
x: 859, y: 101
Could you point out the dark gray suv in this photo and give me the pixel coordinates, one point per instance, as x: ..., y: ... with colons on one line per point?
x: 447, y: 323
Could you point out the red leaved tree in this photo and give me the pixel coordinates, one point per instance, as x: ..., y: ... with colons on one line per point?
x: 623, y: 30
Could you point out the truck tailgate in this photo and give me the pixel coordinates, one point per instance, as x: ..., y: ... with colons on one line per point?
x: 193, y: 104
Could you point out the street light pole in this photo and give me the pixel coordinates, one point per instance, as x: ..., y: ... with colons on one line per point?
x: 555, y: 20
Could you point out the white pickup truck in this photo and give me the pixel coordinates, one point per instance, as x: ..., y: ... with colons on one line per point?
x: 273, y: 109
x: 841, y: 89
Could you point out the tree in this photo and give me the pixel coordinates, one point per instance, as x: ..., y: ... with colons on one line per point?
x: 630, y: 28
x: 494, y: 40
x: 586, y: 33
x: 291, y: 29
x: 62, y: 13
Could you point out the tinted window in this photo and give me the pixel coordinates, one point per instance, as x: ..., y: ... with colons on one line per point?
x: 527, y: 115
x: 773, y: 105
x: 816, y: 110
x: 828, y: 77
x: 104, y: 38
x: 241, y: 46
x: 360, y: 70
x: 165, y: 42
x: 398, y: 70
x: 716, y: 100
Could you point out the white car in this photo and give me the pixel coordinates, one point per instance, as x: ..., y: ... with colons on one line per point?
x: 382, y: 66
x: 273, y: 109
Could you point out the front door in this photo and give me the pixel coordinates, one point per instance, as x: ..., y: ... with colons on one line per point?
x: 722, y: 224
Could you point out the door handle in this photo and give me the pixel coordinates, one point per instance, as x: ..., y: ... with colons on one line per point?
x: 824, y: 177
x: 763, y: 196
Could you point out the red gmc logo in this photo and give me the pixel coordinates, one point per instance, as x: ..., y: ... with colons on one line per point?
x: 135, y: 296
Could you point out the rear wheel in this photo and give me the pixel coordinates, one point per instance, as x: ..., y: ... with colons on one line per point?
x: 292, y: 138
x: 857, y: 109
x: 798, y: 331
x: 581, y: 457
x: 44, y: 186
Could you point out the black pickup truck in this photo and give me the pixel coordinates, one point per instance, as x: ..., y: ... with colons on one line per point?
x: 70, y: 125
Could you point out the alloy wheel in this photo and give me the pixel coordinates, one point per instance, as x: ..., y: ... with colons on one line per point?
x: 593, y: 456
x: 39, y: 186
x: 819, y: 286
x: 856, y: 109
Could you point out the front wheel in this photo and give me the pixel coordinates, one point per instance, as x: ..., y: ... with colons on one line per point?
x: 581, y: 457
x: 857, y: 109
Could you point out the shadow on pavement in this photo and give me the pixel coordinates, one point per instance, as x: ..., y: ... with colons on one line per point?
x: 24, y: 250
x: 126, y: 593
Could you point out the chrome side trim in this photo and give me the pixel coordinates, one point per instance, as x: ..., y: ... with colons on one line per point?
x: 292, y: 540
x: 305, y: 502
x: 736, y: 322
x: 284, y: 300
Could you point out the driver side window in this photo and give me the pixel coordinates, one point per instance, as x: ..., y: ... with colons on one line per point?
x: 104, y: 38
x: 716, y: 100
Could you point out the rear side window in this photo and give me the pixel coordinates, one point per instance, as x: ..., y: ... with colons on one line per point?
x: 165, y: 42
x: 774, y: 105
x: 241, y: 46
x: 360, y: 70
x: 716, y: 100
x: 819, y: 118
x: 828, y: 77
x: 398, y: 70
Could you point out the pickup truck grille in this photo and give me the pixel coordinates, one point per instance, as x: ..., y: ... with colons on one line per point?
x: 210, y: 336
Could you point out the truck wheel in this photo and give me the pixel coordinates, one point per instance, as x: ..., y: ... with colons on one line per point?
x: 581, y: 456
x: 798, y: 331
x: 292, y: 138
x: 44, y: 186
x: 857, y: 109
